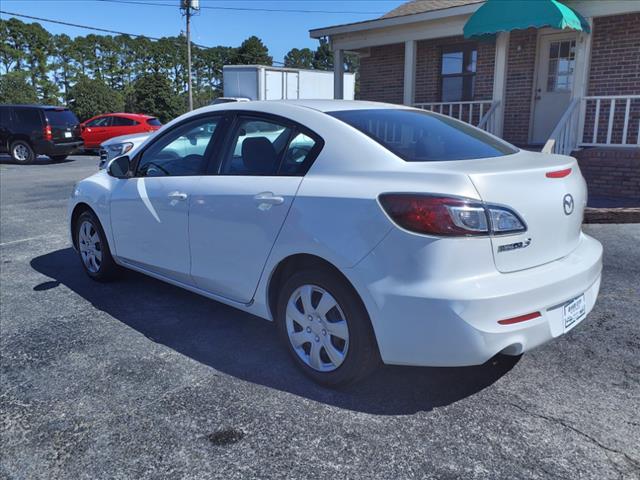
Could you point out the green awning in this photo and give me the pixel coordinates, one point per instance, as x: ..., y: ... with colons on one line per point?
x: 506, y: 15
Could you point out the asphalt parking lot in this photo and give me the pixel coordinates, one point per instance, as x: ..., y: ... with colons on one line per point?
x: 139, y: 379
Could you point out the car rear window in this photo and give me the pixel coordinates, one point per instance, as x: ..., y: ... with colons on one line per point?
x: 154, y: 122
x: 419, y: 136
x: 61, y: 118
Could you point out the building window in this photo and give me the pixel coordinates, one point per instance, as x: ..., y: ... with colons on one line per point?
x: 458, y: 72
x: 562, y: 59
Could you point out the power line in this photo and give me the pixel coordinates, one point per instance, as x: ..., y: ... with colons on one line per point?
x: 243, y: 9
x: 98, y: 29
x: 60, y: 22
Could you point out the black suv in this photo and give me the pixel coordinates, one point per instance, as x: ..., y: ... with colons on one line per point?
x: 30, y: 130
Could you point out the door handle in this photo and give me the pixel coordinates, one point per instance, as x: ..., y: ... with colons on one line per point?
x: 177, y: 196
x: 269, y: 198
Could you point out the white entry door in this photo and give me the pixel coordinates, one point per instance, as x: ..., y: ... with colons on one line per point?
x: 554, y: 82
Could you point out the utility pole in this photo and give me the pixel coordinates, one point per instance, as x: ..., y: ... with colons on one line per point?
x: 187, y: 6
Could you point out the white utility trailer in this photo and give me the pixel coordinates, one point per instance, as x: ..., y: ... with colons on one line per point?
x: 259, y: 82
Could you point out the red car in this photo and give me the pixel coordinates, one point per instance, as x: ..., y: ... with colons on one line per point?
x: 103, y: 127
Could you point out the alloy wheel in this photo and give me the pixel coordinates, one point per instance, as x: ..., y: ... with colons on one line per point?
x: 90, y: 246
x: 317, y: 328
x: 21, y: 152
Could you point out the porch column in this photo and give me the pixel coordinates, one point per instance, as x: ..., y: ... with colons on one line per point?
x: 409, y: 72
x: 581, y: 79
x: 338, y: 74
x: 500, y: 80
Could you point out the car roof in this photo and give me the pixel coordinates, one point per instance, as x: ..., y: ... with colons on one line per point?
x: 335, y: 105
x: 126, y: 115
x: 31, y: 105
x: 293, y: 109
x: 278, y: 106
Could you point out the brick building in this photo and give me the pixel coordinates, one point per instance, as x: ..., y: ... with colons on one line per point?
x: 571, y: 89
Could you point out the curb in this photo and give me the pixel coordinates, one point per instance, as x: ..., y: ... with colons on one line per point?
x: 612, y: 215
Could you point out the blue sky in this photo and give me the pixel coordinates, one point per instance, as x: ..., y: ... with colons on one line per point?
x: 280, y: 31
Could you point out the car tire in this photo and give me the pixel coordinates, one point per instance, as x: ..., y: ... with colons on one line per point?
x: 58, y: 158
x: 305, y: 338
x: 22, y: 152
x: 93, y: 248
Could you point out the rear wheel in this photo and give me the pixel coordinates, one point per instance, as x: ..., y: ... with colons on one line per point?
x: 326, y: 328
x: 58, y: 158
x: 93, y: 248
x: 21, y: 152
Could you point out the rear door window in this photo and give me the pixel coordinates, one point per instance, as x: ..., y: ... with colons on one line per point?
x: 257, y: 147
x: 299, y: 154
x: 27, y: 117
x: 123, y: 122
x: 419, y: 136
x: 61, y: 118
x: 154, y: 122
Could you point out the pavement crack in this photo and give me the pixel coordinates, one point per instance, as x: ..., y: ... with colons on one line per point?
x: 567, y: 425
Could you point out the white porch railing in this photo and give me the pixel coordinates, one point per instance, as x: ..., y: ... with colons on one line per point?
x: 473, y: 112
x: 488, y: 122
x: 564, y: 138
x: 610, y: 120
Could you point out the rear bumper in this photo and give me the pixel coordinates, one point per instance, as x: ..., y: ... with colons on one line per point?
x: 51, y: 148
x: 452, y: 319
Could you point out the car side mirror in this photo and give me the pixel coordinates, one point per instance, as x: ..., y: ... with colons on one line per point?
x: 119, y: 167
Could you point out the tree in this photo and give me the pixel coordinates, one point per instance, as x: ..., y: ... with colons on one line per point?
x: 299, y: 58
x: 89, y: 97
x: 53, y: 64
x: 252, y: 52
x: 62, y: 65
x: 208, y: 63
x: 153, y: 94
x: 15, y: 88
x: 323, y: 56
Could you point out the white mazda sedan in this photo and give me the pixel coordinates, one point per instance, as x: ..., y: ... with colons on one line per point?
x: 366, y: 231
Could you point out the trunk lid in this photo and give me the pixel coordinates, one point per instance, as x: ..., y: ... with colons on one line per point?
x: 545, y: 194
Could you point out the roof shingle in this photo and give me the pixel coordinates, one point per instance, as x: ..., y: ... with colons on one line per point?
x: 420, y: 6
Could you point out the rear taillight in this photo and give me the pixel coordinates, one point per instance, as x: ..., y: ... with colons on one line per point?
x: 449, y: 216
x: 48, y: 135
x: 558, y: 173
x: 521, y: 318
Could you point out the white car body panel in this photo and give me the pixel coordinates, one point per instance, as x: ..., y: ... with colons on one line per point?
x: 150, y: 225
x: 232, y: 231
x: 431, y: 300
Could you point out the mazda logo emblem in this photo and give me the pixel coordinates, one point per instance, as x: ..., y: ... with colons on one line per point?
x: 567, y: 204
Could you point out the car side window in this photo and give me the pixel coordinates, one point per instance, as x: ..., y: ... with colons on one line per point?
x: 123, y: 122
x: 27, y: 117
x: 181, y: 152
x: 257, y: 147
x: 298, y: 154
x: 99, y: 122
x: 4, y: 116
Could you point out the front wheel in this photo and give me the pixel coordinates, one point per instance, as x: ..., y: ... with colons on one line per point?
x: 21, y: 152
x: 326, y: 328
x: 93, y: 248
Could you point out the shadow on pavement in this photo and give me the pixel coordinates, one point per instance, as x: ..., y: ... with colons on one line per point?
x: 248, y: 348
x: 40, y: 160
